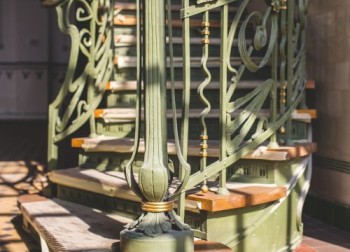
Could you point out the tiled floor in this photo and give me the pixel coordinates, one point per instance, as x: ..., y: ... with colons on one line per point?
x: 18, y: 177
x: 321, y: 237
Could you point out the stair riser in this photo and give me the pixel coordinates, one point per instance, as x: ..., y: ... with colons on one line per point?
x: 208, y: 225
x: 125, y: 99
x: 120, y: 129
x: 129, y: 74
x: 126, y: 129
x: 110, y: 161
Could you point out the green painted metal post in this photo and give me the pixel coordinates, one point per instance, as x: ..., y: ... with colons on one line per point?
x: 290, y: 63
x: 223, y: 99
x: 158, y: 229
x: 185, y: 98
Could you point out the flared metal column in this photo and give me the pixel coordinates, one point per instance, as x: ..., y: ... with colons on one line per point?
x: 158, y: 229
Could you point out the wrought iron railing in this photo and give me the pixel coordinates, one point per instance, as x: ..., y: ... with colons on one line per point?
x: 276, y: 47
x: 90, y: 67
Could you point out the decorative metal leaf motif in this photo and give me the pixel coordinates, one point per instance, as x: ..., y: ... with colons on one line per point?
x: 90, y: 65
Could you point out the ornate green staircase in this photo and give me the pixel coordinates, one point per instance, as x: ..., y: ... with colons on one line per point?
x: 240, y: 168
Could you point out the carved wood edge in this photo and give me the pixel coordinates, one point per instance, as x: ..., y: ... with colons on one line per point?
x: 238, y: 198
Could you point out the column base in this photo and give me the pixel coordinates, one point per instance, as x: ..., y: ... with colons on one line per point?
x: 173, y: 241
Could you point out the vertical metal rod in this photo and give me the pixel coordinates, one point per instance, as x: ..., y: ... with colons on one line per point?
x: 91, y: 88
x: 185, y: 97
x: 290, y: 57
x: 223, y: 99
x: 273, y: 94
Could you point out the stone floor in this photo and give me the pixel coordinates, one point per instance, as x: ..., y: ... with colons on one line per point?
x: 321, y: 237
x: 22, y: 153
x: 16, y: 178
x: 19, y: 177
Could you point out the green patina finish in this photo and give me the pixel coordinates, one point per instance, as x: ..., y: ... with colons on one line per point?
x: 90, y: 67
x: 267, y: 44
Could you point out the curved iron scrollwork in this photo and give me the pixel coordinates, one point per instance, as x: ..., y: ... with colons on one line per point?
x: 249, y: 106
x: 90, y: 67
x: 247, y: 124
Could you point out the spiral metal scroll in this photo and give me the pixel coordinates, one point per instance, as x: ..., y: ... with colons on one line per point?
x: 90, y: 67
x: 240, y: 126
x: 298, y: 47
x: 242, y: 113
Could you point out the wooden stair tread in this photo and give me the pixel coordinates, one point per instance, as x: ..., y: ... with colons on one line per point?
x: 125, y: 145
x: 129, y: 114
x: 130, y: 40
x: 130, y: 20
x: 238, y: 198
x: 209, y: 246
x: 174, y: 7
x: 67, y: 226
x: 113, y: 184
x: 131, y: 61
x: 115, y: 86
x: 131, y: 85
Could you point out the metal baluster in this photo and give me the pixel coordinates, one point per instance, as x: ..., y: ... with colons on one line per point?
x: 204, y: 134
x: 223, y: 95
x: 290, y: 71
x: 186, y: 56
x: 283, y: 64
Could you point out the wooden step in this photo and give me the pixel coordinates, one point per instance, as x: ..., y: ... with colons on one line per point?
x: 129, y: 114
x: 213, y: 62
x: 125, y: 145
x: 130, y: 40
x: 115, y: 86
x: 113, y: 184
x: 174, y: 7
x: 238, y: 198
x: 130, y: 20
x: 65, y: 226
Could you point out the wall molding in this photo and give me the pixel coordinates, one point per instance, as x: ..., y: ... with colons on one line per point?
x: 2, y: 32
x: 332, y: 164
x: 328, y: 210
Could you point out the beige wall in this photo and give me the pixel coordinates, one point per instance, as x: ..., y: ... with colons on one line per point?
x: 329, y: 65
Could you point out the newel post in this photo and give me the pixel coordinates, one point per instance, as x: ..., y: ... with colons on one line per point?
x: 158, y: 228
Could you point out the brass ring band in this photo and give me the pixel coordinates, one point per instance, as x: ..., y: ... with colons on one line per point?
x: 206, y: 32
x: 203, y: 154
x: 204, y: 137
x: 204, y: 146
x: 157, y: 207
x: 205, y: 24
x: 205, y: 41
